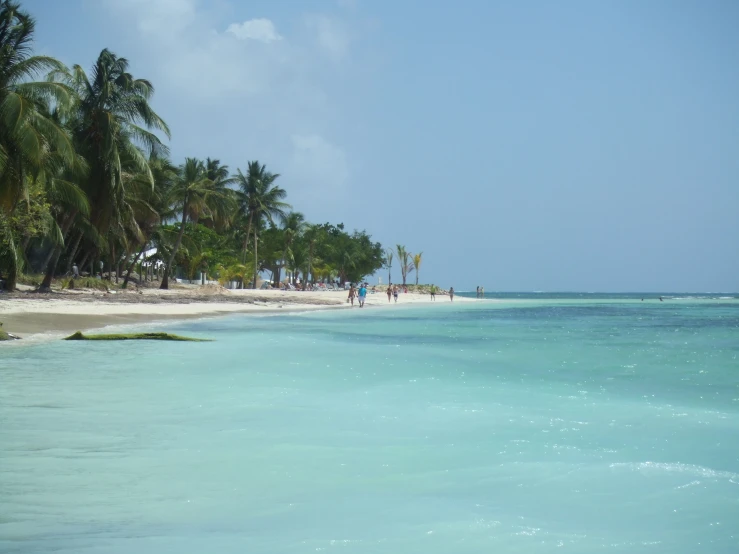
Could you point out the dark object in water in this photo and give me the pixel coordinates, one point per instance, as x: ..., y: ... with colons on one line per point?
x: 134, y: 336
x: 7, y: 336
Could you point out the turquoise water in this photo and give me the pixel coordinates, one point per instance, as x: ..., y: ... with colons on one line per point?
x: 528, y: 426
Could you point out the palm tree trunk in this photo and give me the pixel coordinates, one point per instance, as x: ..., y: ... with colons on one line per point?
x: 56, y: 252
x: 133, y: 263
x: 12, y: 279
x: 416, y: 276
x: 84, y: 261
x: 310, y: 263
x: 46, y: 283
x: 256, y: 259
x: 246, y: 239
x: 72, y: 255
x: 165, y: 278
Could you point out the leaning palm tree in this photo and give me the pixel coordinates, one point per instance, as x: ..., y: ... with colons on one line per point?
x: 192, y: 193
x: 416, y: 259
x: 27, y: 132
x: 113, y: 127
x: 260, y: 200
x: 404, y: 258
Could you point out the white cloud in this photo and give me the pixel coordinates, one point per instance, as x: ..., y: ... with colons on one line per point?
x: 226, y: 95
x: 262, y: 30
x: 330, y: 34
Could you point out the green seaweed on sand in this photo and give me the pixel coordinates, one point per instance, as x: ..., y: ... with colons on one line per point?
x: 134, y: 336
x: 5, y: 335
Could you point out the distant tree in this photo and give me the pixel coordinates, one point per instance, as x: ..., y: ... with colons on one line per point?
x: 404, y: 258
x: 260, y: 199
x: 416, y: 259
x: 194, y: 193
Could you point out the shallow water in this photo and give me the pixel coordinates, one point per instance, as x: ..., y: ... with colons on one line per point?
x: 592, y: 425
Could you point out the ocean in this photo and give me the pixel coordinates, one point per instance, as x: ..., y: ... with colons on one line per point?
x: 538, y: 423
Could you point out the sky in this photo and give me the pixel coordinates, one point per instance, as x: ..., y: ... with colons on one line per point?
x: 521, y: 146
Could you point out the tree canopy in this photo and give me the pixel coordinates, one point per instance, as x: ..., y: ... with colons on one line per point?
x: 86, y: 179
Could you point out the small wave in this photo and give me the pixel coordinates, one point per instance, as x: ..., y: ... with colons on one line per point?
x: 690, y: 469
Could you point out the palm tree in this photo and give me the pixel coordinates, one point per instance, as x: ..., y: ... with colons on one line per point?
x: 312, y: 235
x: 28, y: 135
x: 416, y: 259
x: 389, y: 264
x: 193, y: 193
x: 151, y: 204
x: 260, y: 199
x: 112, y: 122
x: 222, y: 180
x: 404, y: 257
x: 293, y: 227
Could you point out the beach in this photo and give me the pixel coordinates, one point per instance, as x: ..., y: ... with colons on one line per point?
x: 35, y: 315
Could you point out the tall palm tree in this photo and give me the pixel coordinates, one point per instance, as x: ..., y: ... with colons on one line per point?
x: 222, y: 180
x: 416, y: 259
x: 389, y: 264
x: 404, y: 258
x: 313, y: 234
x: 293, y: 226
x: 191, y: 193
x: 260, y: 200
x: 112, y: 124
x: 28, y: 135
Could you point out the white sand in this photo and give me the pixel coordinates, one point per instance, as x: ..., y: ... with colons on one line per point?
x: 28, y: 314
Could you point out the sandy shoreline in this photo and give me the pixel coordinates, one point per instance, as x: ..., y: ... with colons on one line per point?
x: 35, y: 316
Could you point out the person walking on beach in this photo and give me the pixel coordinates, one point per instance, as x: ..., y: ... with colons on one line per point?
x: 395, y: 293
x: 433, y: 292
x: 389, y: 293
x: 478, y: 292
x: 362, y: 294
x: 352, y: 294
x: 482, y: 292
x: 451, y: 294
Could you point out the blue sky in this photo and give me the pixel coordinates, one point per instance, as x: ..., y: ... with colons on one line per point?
x: 575, y: 145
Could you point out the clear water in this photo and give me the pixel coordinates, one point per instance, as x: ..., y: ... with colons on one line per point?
x: 561, y: 425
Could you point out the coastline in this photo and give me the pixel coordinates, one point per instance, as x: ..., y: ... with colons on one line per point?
x: 38, y: 317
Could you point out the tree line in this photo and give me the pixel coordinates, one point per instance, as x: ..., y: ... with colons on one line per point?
x: 85, y: 178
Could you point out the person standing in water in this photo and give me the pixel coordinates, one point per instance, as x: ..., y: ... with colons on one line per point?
x: 352, y: 294
x: 362, y: 294
x: 451, y: 294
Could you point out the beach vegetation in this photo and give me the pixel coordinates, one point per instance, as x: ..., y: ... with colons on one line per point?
x: 134, y: 336
x: 405, y: 261
x: 416, y: 259
x: 88, y: 189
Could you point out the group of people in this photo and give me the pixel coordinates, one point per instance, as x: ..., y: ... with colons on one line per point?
x: 480, y: 292
x: 359, y: 293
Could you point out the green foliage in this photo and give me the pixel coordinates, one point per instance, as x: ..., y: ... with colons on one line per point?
x: 85, y: 283
x: 85, y: 178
